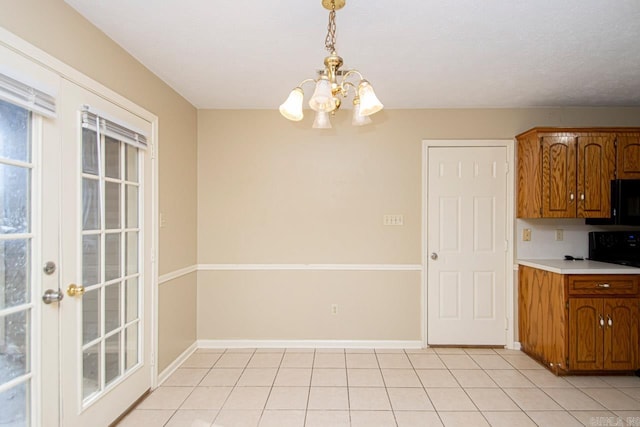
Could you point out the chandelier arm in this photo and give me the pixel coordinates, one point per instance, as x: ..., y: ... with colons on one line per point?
x: 350, y: 72
x: 307, y: 81
x: 344, y: 88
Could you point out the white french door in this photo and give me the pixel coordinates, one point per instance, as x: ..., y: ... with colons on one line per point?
x: 467, y: 245
x: 106, y: 260
x: 76, y: 250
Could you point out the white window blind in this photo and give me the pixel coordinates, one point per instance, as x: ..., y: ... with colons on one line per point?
x: 25, y: 96
x: 93, y: 121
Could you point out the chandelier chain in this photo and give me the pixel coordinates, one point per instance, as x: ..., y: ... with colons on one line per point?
x: 330, y: 40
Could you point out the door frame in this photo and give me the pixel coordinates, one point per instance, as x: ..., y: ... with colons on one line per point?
x: 510, y: 267
x: 49, y: 62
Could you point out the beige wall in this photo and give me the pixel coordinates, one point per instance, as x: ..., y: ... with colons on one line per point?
x: 274, y: 191
x: 57, y: 29
x: 177, y: 328
x: 296, y: 305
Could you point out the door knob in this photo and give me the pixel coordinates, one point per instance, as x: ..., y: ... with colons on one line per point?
x: 75, y: 290
x: 52, y: 296
x: 434, y: 256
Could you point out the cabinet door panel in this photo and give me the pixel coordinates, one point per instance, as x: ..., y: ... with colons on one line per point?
x: 585, y: 334
x: 529, y: 183
x: 558, y: 177
x: 628, y: 156
x: 620, y: 333
x: 596, y: 169
x: 543, y: 322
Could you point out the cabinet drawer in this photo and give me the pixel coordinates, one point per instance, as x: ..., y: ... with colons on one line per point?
x: 603, y: 285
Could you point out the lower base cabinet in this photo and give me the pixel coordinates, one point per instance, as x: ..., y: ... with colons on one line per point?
x: 579, y: 323
x: 601, y: 334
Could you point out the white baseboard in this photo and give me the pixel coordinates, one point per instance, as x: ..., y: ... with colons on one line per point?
x: 166, y: 373
x: 308, y: 344
x: 516, y: 345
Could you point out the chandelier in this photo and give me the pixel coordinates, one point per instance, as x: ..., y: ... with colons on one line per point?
x: 332, y: 84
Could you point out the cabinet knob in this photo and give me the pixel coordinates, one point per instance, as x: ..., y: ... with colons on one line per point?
x: 601, y: 321
x: 582, y: 196
x: 571, y: 197
x: 609, y: 321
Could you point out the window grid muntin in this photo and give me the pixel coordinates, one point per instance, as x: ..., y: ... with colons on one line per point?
x: 123, y: 277
x: 28, y: 307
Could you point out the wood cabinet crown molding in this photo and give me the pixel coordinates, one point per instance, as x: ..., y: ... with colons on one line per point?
x: 571, y: 131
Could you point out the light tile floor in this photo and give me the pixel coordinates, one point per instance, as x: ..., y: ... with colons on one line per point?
x: 337, y: 387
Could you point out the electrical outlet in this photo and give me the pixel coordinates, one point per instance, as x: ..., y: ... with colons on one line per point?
x: 334, y: 309
x: 559, y: 235
x: 526, y: 235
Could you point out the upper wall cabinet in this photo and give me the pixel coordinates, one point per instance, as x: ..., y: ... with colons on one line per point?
x: 566, y: 173
x: 628, y: 155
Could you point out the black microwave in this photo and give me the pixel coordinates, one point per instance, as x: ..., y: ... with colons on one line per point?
x: 625, y: 203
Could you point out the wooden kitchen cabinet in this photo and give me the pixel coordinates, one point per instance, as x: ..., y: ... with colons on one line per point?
x: 567, y: 173
x: 601, y: 334
x: 628, y: 155
x: 575, y: 169
x: 542, y: 317
x: 579, y: 323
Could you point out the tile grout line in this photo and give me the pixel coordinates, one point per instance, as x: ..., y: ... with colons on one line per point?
x: 193, y: 388
x: 386, y: 389
x: 425, y: 388
x: 306, y: 410
x: 264, y: 408
x: 236, y: 383
x: 500, y: 388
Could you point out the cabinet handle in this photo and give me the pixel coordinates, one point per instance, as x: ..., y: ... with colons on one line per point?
x: 601, y: 321
x: 571, y: 197
x: 582, y: 196
x: 609, y: 321
x: 603, y: 285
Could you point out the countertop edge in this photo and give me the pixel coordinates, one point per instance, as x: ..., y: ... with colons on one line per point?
x: 577, y: 267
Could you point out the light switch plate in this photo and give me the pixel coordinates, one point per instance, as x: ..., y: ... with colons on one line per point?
x: 393, y: 219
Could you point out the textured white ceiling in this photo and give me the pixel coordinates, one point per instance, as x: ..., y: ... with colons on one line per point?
x: 416, y: 53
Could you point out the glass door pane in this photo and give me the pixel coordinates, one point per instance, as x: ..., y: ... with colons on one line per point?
x: 110, y: 256
x: 16, y: 284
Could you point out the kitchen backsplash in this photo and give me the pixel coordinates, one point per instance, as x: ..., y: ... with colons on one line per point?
x: 543, y: 243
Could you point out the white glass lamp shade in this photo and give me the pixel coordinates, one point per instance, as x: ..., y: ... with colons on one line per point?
x: 292, y: 107
x: 322, y: 98
x: 358, y: 119
x: 322, y: 121
x: 369, y: 102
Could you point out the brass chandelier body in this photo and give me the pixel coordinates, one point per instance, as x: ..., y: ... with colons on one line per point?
x: 332, y: 85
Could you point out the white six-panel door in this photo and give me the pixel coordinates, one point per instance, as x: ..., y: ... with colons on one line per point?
x: 466, y: 245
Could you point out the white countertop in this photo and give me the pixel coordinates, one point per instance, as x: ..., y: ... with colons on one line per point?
x: 578, y: 267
